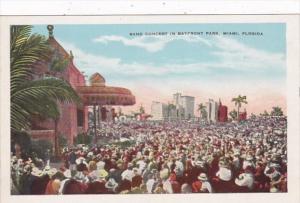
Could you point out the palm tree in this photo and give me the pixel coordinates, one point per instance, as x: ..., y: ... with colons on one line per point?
x: 265, y: 113
x: 238, y: 103
x: 202, y: 110
x: 276, y: 111
x: 142, y: 109
x: 233, y: 114
x: 31, y: 96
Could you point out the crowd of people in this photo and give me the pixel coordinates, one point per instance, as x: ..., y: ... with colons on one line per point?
x: 167, y: 157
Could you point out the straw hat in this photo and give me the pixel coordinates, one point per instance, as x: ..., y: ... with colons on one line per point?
x: 111, y: 184
x: 90, y: 154
x: 224, y: 174
x: 203, y: 177
x: 51, y: 172
x: 56, y: 184
x: 102, y: 174
x: 67, y: 173
x: 37, y: 172
x: 249, y: 157
x: 164, y: 173
x: 81, y: 160
x: 100, y: 165
x: 92, y: 165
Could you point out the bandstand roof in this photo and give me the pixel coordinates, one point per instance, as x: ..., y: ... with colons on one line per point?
x: 100, y: 94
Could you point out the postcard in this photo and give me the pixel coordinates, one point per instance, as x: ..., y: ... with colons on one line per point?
x: 150, y: 108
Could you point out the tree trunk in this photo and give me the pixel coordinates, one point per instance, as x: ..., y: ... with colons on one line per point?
x: 95, y: 125
x: 56, y: 144
x: 238, y: 114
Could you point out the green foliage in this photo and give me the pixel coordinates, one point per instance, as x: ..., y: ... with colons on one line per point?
x: 40, y: 147
x: 202, y: 110
x: 23, y: 139
x: 142, y: 109
x: 265, y: 113
x: 276, y: 111
x: 252, y: 116
x: 125, y: 144
x: 83, y: 138
x: 58, y: 64
x: 33, y: 97
x: 233, y: 114
x: 62, y: 141
x: 239, y: 100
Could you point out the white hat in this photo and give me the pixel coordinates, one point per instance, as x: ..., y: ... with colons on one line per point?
x: 37, y: 172
x: 249, y: 157
x: 102, y: 173
x: 67, y: 173
x: 90, y: 154
x: 236, y: 153
x: 50, y: 172
x: 273, y: 189
x: 81, y: 160
x: 224, y: 174
x: 111, y: 184
x: 202, y: 177
x: 240, y: 180
x: 100, y: 165
x: 164, y: 173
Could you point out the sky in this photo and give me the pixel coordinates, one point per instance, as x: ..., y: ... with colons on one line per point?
x: 206, y: 65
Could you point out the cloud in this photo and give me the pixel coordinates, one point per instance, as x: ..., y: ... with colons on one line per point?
x: 232, y: 56
x: 91, y: 63
x: 150, y: 43
x: 261, y: 93
x: 237, y: 55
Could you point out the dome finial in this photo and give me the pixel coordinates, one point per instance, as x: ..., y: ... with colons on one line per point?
x: 50, y: 29
x: 97, y: 80
x: 71, y: 55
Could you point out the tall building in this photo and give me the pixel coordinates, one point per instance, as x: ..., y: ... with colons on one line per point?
x: 182, y: 107
x: 158, y: 111
x: 222, y: 113
x: 212, y: 108
x: 243, y: 115
x: 188, y: 104
x: 185, y: 106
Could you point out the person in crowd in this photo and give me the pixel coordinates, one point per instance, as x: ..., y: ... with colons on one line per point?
x: 169, y: 157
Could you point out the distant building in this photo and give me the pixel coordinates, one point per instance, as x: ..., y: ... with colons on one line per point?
x: 212, y: 108
x: 185, y: 106
x: 182, y: 107
x: 159, y: 111
x: 222, y: 113
x: 243, y: 115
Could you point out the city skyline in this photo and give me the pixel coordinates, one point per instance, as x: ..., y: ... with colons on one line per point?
x: 208, y: 66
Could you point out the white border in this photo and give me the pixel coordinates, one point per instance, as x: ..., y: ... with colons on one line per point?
x: 293, y: 65
x: 101, y: 7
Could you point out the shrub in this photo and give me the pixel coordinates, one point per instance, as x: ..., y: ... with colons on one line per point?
x: 21, y: 138
x: 125, y: 144
x: 83, y: 138
x: 40, y: 147
x: 62, y: 141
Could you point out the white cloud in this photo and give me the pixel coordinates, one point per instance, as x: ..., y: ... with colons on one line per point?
x: 236, y: 55
x: 231, y: 53
x: 91, y: 63
x: 150, y: 43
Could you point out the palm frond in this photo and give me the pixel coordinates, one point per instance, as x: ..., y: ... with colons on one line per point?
x: 47, y: 108
x: 33, y: 97
x: 50, y: 87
